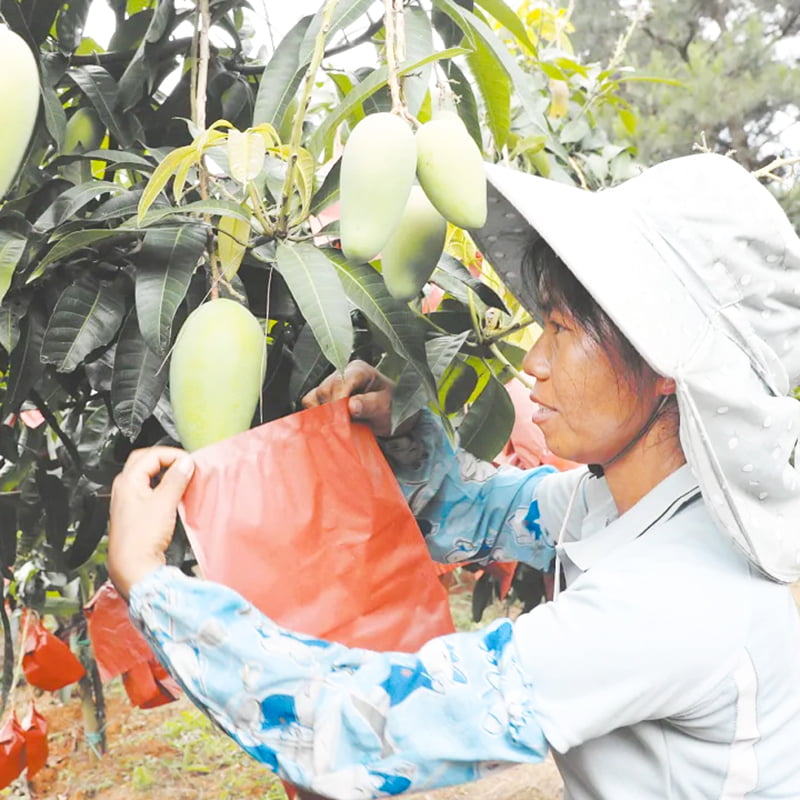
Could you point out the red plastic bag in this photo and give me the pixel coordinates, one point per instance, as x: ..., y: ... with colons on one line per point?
x: 305, y: 519
x: 12, y: 751
x: 34, y: 726
x: 148, y: 685
x: 48, y: 663
x: 117, y: 645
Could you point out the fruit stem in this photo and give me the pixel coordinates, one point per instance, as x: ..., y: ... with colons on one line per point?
x: 297, y: 126
x: 395, y: 55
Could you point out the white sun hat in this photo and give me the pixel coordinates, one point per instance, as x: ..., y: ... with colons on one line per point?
x: 697, y: 264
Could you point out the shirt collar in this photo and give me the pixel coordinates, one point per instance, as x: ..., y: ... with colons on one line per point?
x: 602, y: 532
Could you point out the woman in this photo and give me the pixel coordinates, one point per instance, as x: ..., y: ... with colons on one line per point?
x: 669, y: 666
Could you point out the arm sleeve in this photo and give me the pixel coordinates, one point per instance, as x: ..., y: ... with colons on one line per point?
x: 468, y: 509
x: 346, y: 723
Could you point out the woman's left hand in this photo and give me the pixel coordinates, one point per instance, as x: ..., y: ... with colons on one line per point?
x: 143, y: 515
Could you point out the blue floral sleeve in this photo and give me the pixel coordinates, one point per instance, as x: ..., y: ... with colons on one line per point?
x: 468, y: 509
x: 345, y: 723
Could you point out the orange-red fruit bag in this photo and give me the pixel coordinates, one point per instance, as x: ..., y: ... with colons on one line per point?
x: 48, y: 662
x: 304, y: 518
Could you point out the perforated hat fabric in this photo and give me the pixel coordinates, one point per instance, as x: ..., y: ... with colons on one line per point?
x: 697, y: 264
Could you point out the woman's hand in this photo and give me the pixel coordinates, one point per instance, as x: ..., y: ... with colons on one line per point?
x: 143, y: 515
x: 370, y: 396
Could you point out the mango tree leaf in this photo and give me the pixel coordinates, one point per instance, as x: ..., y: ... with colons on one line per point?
x: 55, y: 502
x: 524, y: 84
x: 495, y: 88
x: 223, y: 208
x: 506, y: 16
x: 25, y: 366
x: 410, y: 396
x: 281, y: 77
x: 12, y: 246
x: 90, y: 530
x: 103, y: 93
x: 328, y: 193
x: 367, y: 88
x: 317, y: 290
x: 70, y: 23
x: 246, y: 153
x: 233, y: 236
x: 73, y: 242
x: 138, y: 381
x: 73, y: 200
x: 309, y: 365
x: 450, y: 272
x: 419, y: 44
x: 345, y: 13
x: 55, y: 118
x: 488, y: 423
x: 394, y: 319
x: 86, y: 316
x: 165, y: 266
x: 467, y: 105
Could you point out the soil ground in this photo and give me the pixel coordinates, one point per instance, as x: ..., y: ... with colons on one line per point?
x: 174, y: 753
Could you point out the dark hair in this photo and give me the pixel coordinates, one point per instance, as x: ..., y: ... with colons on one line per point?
x: 550, y: 280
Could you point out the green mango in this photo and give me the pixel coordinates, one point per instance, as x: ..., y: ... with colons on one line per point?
x: 377, y: 172
x: 84, y: 132
x: 414, y: 249
x: 450, y: 170
x: 19, y: 90
x: 216, y: 372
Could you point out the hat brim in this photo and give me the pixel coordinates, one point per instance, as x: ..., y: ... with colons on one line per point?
x: 608, y: 246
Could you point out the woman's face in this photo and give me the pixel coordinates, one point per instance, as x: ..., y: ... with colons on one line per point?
x: 587, y: 407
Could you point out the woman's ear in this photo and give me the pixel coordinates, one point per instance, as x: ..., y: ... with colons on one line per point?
x: 665, y: 385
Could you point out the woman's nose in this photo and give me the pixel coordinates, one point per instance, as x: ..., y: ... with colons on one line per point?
x: 536, y: 363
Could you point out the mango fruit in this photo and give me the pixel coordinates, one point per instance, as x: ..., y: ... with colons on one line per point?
x: 19, y: 91
x: 84, y: 131
x: 215, y: 373
x: 414, y: 249
x: 377, y: 171
x: 450, y: 170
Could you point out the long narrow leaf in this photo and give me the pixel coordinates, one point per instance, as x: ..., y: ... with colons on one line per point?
x: 281, y: 77
x: 86, y: 316
x: 506, y: 16
x: 73, y: 200
x: 165, y: 266
x: 495, y: 87
x: 419, y: 45
x: 487, y: 426
x: 12, y: 246
x: 138, y: 380
x: 345, y: 13
x: 103, y: 93
x: 317, y: 290
x: 367, y: 291
x: 25, y: 367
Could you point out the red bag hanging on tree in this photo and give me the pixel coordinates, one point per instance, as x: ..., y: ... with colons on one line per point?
x: 304, y: 518
x: 48, y: 662
x: 12, y: 751
x: 34, y: 726
x: 149, y: 685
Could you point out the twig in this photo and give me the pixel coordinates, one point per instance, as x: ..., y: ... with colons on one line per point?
x: 52, y: 421
x: 769, y: 170
x: 395, y: 54
x: 297, y: 127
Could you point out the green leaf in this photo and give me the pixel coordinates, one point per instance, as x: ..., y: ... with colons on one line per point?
x: 103, y: 93
x: 73, y: 200
x: 495, y: 87
x: 70, y: 23
x: 410, y: 396
x: 165, y: 265
x: 345, y: 13
x: 220, y: 208
x: 328, y: 193
x: 138, y: 381
x: 450, y: 274
x: 309, y: 365
x: 419, y: 44
x: 55, y: 118
x: 317, y: 290
x: 375, y: 81
x: 246, y: 153
x: 86, y: 316
x: 367, y: 291
x: 503, y: 13
x: 488, y: 423
x: 73, y: 242
x: 534, y: 103
x: 467, y: 105
x: 281, y: 77
x: 25, y: 366
x: 12, y: 246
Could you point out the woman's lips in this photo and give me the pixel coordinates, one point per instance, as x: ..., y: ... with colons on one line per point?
x: 542, y: 412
